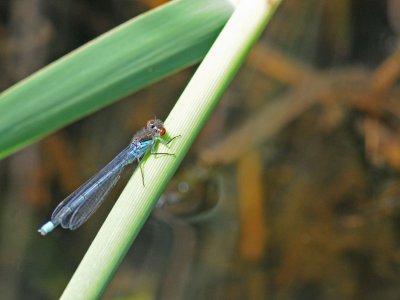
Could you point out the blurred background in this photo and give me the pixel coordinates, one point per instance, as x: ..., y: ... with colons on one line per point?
x: 292, y: 190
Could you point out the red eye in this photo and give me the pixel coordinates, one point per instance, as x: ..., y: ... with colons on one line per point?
x: 149, y: 122
x: 163, y: 131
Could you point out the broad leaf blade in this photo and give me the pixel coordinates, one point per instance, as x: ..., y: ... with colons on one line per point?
x: 127, y: 58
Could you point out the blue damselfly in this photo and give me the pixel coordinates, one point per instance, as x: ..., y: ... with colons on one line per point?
x: 74, y: 210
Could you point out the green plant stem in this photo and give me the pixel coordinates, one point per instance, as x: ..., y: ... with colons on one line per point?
x: 186, y: 119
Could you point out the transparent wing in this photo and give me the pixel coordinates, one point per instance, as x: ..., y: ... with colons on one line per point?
x: 92, y: 202
x: 104, y: 180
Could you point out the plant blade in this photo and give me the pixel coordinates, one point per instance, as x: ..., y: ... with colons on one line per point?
x: 129, y: 57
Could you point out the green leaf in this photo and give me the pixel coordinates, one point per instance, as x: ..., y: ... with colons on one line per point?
x: 129, y: 57
x: 186, y: 119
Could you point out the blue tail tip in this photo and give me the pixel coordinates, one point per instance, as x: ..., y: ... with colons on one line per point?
x: 46, y: 228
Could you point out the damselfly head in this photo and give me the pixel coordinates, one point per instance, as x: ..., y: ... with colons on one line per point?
x: 156, y: 126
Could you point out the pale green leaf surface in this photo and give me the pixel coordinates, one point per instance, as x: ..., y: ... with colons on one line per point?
x: 186, y: 119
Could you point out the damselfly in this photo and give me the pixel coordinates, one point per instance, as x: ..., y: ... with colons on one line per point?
x: 74, y: 210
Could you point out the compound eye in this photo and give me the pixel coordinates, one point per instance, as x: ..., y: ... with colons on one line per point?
x: 163, y: 131
x: 150, y: 123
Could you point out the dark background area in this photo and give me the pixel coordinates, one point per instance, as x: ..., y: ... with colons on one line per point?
x: 292, y: 190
